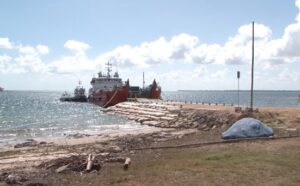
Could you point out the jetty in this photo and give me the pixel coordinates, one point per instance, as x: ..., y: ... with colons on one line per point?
x: 165, y: 114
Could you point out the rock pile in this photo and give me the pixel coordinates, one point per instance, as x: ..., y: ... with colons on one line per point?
x: 160, y: 114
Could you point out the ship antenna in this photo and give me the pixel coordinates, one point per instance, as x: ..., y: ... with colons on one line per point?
x: 143, y: 80
x: 109, y: 66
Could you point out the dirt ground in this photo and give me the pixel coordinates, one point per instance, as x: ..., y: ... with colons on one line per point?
x: 271, y: 162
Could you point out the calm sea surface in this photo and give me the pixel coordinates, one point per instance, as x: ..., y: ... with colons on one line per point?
x: 30, y: 114
x: 261, y: 98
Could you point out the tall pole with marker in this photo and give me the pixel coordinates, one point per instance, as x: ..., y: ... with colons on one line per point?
x: 252, y: 69
x: 238, y: 74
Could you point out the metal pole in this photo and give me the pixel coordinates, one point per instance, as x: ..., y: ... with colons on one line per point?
x: 238, y: 92
x: 238, y: 74
x: 252, y: 69
x: 143, y: 80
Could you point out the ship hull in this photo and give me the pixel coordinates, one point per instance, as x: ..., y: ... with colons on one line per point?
x: 109, y: 97
x: 155, y: 91
x: 74, y: 99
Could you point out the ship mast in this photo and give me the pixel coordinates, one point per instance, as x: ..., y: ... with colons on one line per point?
x: 143, y: 80
x: 108, y: 66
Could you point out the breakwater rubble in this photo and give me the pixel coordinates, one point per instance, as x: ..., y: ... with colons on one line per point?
x: 163, y: 114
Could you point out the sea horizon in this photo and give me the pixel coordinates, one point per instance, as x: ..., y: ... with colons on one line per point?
x: 180, y: 90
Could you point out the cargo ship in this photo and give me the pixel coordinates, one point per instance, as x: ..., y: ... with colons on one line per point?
x: 108, y: 90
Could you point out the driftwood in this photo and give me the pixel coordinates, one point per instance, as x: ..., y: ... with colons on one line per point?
x: 82, y: 163
x: 90, y: 162
x: 62, y: 168
x: 126, y: 164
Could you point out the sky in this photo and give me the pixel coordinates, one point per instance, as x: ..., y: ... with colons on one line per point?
x: 183, y: 44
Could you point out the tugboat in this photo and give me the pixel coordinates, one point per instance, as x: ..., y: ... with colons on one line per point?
x: 108, y: 90
x: 79, y: 95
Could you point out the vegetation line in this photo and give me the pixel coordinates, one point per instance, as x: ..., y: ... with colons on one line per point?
x: 195, y: 145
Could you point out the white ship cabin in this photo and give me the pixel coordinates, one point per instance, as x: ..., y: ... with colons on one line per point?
x: 107, y: 82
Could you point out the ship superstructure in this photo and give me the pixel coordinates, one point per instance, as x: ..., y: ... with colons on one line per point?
x: 108, y: 90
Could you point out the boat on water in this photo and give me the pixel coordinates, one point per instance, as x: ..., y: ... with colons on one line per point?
x: 152, y: 91
x: 1, y: 89
x: 108, y: 90
x: 79, y: 95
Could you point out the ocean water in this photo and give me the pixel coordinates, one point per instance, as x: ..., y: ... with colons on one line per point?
x: 40, y: 114
x: 260, y: 98
x: 36, y: 114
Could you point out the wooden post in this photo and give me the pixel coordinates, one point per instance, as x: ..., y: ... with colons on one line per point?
x: 126, y: 164
x: 90, y: 162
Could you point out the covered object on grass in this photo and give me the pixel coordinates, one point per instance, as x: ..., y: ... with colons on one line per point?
x: 247, y: 128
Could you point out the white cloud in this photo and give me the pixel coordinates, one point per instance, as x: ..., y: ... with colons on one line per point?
x: 27, y: 50
x: 42, y: 49
x: 5, y: 58
x: 152, y: 53
x: 30, y: 50
x: 220, y: 74
x: 182, y: 44
x: 72, y: 64
x: 5, y: 43
x: 287, y: 75
x: 4, y: 63
x: 30, y: 63
x: 187, y: 48
x: 76, y: 46
x: 297, y: 3
x: 27, y: 60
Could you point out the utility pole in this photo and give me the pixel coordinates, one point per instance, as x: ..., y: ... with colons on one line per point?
x: 252, y: 69
x: 238, y: 90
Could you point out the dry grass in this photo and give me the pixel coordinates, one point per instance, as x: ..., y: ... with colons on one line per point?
x: 259, y: 163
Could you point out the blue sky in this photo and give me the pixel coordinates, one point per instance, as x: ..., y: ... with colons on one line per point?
x: 191, y: 44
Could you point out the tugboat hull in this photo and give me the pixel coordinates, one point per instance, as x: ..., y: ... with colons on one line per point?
x: 75, y: 99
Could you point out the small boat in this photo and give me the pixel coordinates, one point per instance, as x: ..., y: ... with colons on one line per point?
x: 79, y: 95
x: 1, y: 89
